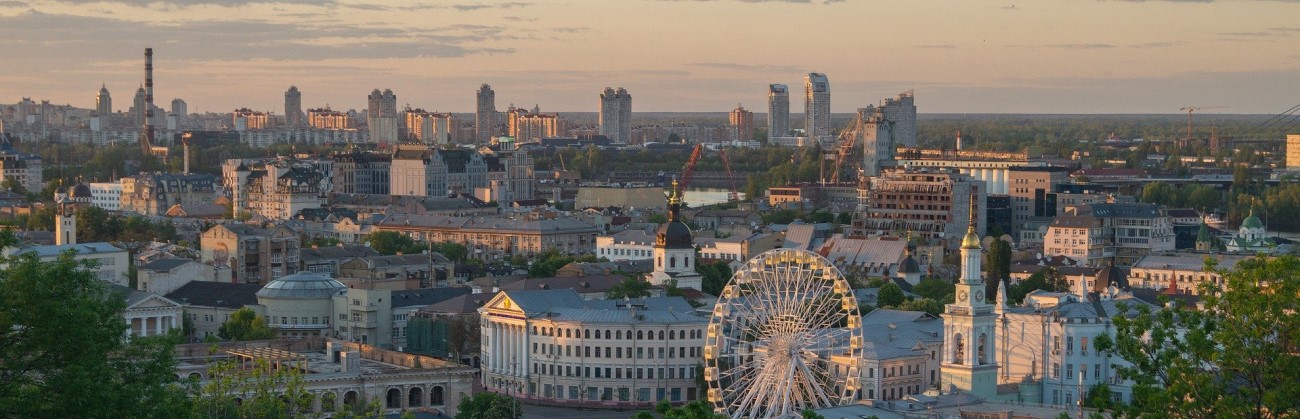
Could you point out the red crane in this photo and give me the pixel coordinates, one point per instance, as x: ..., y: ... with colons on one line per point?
x: 688, y: 169
x: 848, y: 139
x: 726, y: 164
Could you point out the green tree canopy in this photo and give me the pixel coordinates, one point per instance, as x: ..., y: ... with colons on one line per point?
x: 1047, y: 279
x: 1238, y: 356
x: 890, y: 295
x: 714, y: 276
x: 997, y: 265
x: 631, y: 287
x: 245, y: 324
x: 487, y: 405
x: 63, y: 348
x: 934, y: 288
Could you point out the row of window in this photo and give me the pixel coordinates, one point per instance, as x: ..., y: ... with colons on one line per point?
x: 610, y: 393
x: 613, y: 352
x: 669, y: 373
x: 617, y: 334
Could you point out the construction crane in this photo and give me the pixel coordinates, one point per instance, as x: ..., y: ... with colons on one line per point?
x: 688, y: 169
x: 848, y: 140
x: 1191, y: 109
x: 726, y: 164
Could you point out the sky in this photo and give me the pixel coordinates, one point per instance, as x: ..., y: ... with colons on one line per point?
x: 958, y: 56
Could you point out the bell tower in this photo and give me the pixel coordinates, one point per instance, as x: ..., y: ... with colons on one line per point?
x: 968, y: 362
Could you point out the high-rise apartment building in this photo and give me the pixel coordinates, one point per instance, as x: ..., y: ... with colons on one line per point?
x: 901, y: 111
x: 293, y: 116
x: 742, y: 124
x: 247, y: 119
x: 426, y: 127
x: 616, y: 114
x: 382, y: 117
x: 326, y: 118
x: 531, y: 126
x: 817, y: 106
x: 104, y: 103
x: 138, y: 108
x: 878, y: 141
x: 778, y: 110
x: 180, y: 109
x: 485, y: 114
x: 1293, y: 151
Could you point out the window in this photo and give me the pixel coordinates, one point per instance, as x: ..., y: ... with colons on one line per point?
x: 1069, y: 370
x: 1056, y: 371
x: 1083, y: 344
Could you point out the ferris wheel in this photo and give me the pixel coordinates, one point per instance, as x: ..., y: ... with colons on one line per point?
x: 785, y: 336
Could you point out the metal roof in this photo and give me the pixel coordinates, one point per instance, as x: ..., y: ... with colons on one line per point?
x: 301, y: 286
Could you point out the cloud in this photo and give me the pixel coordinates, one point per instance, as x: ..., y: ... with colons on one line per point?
x: 1259, y: 34
x: 1078, y: 46
x: 748, y: 67
x: 187, y: 3
x: 570, y: 29
x: 108, y: 39
x: 519, y: 19
x: 1157, y: 44
x: 366, y: 6
x: 937, y: 46
x: 13, y: 3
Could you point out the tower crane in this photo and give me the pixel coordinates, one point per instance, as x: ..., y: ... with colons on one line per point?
x: 1189, y: 110
x: 847, y: 140
x: 726, y: 164
x: 689, y: 169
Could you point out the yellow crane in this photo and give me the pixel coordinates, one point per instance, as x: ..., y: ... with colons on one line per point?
x: 1189, y: 110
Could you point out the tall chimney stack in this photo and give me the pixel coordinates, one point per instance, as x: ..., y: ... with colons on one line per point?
x: 147, y: 140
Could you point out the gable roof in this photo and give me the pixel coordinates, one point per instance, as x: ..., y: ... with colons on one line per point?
x: 216, y: 294
x: 165, y: 264
x: 426, y: 296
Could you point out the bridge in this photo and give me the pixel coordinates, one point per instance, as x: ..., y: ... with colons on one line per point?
x: 698, y: 179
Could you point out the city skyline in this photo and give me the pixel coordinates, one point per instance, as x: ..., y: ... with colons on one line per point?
x: 959, y: 57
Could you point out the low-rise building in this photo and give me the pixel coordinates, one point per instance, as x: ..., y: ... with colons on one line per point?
x: 155, y: 193
x: 629, y: 244
x: 162, y: 276
x: 379, y: 316
x: 209, y: 305
x: 106, y: 195
x: 553, y: 346
x: 901, y: 354
x: 325, y: 260
x: 300, y: 305
x: 147, y: 313
x: 396, y: 272
x: 110, y: 262
x: 1095, y: 232
x: 253, y: 254
x: 1181, y: 272
x: 495, y: 238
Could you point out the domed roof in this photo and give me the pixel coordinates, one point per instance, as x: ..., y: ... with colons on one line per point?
x: 81, y: 191
x: 301, y: 286
x: 971, y: 241
x: 1252, y: 221
x: 674, y: 235
x: 909, y: 265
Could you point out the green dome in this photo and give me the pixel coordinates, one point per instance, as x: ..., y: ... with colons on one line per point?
x: 1203, y: 235
x: 1252, y: 221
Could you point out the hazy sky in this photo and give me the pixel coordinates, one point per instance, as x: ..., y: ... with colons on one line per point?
x: 1073, y: 56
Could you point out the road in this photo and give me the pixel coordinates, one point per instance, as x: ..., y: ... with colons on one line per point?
x: 547, y: 412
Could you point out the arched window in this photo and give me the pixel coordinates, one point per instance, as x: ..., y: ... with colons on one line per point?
x: 435, y: 398
x: 672, y: 262
x: 586, y: 334
x: 568, y: 333
x: 672, y: 334
x: 415, y: 397
x: 982, y: 353
x: 661, y: 335
x: 639, y: 336
x: 606, y: 334
x: 959, y: 349
x: 618, y: 334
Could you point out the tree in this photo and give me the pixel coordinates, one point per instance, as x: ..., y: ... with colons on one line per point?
x: 1046, y: 279
x: 890, y: 295
x: 489, y: 405
x: 657, y: 218
x: 1235, y: 357
x: 391, y: 242
x: 714, y: 276
x: 997, y: 265
x: 934, y: 288
x: 809, y: 414
x: 456, y: 252
x: 63, y: 347
x: 245, y: 324
x: 922, y: 304
x: 631, y: 287
x: 698, y: 409
x: 265, y: 392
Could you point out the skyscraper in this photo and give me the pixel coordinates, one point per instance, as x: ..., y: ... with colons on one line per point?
x: 485, y: 114
x: 138, y: 108
x: 901, y: 111
x: 817, y: 106
x: 878, y: 141
x: 180, y: 108
x: 104, y: 104
x: 382, y: 117
x: 616, y: 114
x: 778, y: 110
x: 293, y: 116
x: 742, y: 124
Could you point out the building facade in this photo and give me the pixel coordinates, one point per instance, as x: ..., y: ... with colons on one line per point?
x: 359, y: 172
x: 428, y: 128
x: 615, y: 117
x: 742, y: 124
x: 969, y: 362
x: 1094, y: 233
x: 382, y: 118
x: 154, y: 193
x: 496, y: 238
x: 24, y: 170
x: 900, y: 111
x: 485, y: 114
x: 552, y: 346
x: 817, y: 106
x: 778, y: 110
x: 1033, y: 192
x: 933, y: 204
x: 293, y: 116
x: 532, y: 126
x: 254, y: 255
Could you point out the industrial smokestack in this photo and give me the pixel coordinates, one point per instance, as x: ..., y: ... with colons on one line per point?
x: 147, y: 140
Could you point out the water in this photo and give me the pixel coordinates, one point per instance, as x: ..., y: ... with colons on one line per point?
x: 696, y: 197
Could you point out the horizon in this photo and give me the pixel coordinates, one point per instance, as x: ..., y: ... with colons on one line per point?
x: 1048, y: 58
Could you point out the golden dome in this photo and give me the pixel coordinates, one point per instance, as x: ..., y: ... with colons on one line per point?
x: 972, y: 241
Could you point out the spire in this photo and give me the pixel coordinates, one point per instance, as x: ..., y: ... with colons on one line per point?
x: 972, y: 240
x: 1001, y: 307
x: 1083, y: 287
x: 674, y: 202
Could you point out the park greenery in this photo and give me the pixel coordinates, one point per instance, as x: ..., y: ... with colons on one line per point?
x: 488, y: 405
x: 245, y: 324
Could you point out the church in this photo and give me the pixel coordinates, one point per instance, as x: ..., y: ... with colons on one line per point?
x: 674, y: 249
x: 1041, y: 351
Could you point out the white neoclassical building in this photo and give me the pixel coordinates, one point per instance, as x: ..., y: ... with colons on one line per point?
x: 553, y: 347
x: 148, y: 314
